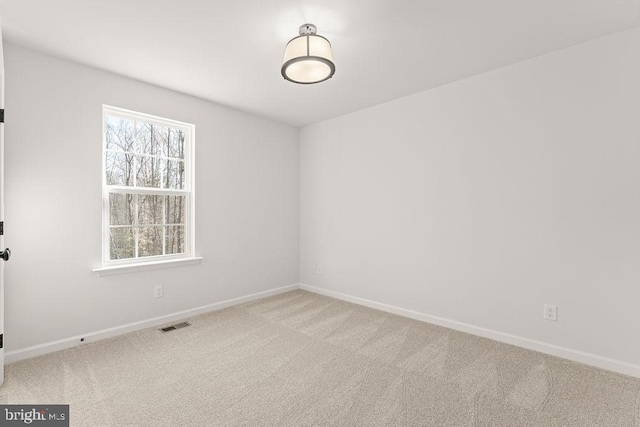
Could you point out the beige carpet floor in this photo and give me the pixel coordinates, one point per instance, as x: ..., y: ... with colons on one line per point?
x: 300, y: 359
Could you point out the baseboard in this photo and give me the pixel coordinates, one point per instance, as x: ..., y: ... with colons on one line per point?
x: 554, y: 350
x: 49, y: 347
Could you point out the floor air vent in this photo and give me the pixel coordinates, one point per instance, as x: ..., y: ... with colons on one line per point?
x: 176, y: 326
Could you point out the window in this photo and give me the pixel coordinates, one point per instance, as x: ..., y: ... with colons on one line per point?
x: 147, y: 188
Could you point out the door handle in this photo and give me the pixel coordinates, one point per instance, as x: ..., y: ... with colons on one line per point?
x: 6, y: 254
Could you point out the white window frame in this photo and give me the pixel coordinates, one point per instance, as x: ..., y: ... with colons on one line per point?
x: 188, y: 191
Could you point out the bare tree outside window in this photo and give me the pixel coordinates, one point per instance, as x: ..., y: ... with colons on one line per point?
x: 146, y: 187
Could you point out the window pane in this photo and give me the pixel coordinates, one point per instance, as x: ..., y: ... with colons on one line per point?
x: 174, y: 174
x: 175, y: 209
x: 148, y: 172
x: 121, y: 243
x: 176, y: 143
x: 119, y: 134
x: 121, y: 209
x: 164, y: 135
x: 174, y: 239
x: 149, y: 210
x: 119, y: 168
x: 149, y: 241
x: 150, y: 139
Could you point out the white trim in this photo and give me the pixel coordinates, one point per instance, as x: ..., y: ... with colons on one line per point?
x: 40, y: 349
x: 146, y: 190
x: 149, y: 265
x: 552, y: 349
x: 123, y: 113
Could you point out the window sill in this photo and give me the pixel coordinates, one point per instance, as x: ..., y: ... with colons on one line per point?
x: 153, y: 265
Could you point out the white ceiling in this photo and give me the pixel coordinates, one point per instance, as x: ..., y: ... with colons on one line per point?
x: 230, y: 51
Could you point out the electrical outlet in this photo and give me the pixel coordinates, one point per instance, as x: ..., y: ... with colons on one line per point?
x: 550, y: 312
x: 158, y: 291
x: 319, y: 269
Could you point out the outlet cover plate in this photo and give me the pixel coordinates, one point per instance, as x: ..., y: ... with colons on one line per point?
x: 158, y: 291
x: 550, y: 312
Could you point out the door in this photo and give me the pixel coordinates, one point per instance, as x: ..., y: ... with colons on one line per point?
x: 5, y: 253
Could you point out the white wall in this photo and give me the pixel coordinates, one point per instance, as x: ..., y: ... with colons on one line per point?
x: 481, y: 200
x: 246, y: 203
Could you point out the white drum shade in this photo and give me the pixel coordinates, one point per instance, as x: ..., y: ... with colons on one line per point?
x: 308, y: 58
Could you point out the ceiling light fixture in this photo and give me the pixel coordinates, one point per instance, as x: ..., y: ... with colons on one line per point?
x: 308, y: 58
